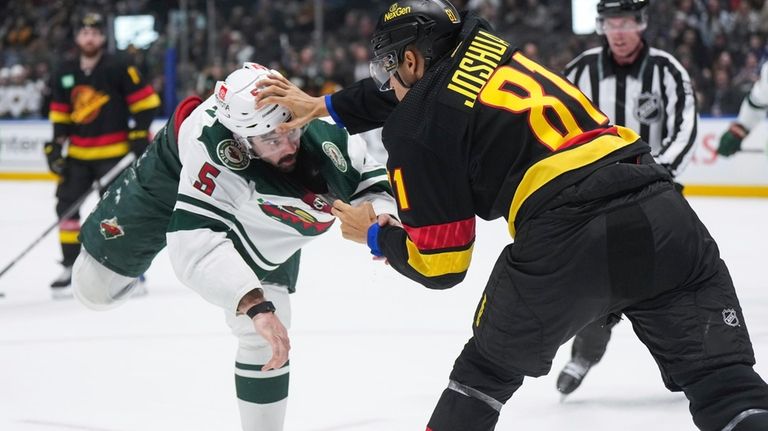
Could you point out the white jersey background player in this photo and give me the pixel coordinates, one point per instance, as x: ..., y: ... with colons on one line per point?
x: 235, y: 200
x: 752, y: 111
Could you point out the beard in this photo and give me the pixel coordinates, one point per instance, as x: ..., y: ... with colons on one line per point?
x: 90, y: 51
x: 286, y: 164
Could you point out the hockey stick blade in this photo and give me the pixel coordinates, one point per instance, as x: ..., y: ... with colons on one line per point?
x: 97, y: 185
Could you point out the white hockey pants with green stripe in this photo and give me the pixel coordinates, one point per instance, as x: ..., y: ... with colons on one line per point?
x: 262, y: 396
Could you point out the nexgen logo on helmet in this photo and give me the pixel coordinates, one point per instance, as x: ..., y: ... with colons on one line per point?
x: 396, y: 11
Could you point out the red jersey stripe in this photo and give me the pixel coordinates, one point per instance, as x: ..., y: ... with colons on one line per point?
x: 588, y: 136
x: 60, y: 107
x: 448, y: 235
x: 143, y: 93
x: 98, y: 141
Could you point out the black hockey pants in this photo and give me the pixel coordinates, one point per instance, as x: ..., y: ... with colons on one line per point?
x: 77, y: 178
x: 645, y: 254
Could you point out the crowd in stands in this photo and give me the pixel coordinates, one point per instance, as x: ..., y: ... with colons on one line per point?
x: 720, y: 42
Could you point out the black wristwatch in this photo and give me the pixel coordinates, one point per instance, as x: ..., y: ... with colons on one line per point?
x: 261, y: 307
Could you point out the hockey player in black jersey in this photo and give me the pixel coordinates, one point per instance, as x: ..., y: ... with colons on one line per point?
x: 93, y: 98
x: 479, y: 129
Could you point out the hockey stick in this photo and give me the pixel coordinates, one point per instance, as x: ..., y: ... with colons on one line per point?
x: 97, y: 185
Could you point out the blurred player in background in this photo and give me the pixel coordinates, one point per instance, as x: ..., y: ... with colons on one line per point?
x: 752, y: 111
x: 235, y: 201
x: 647, y: 90
x: 93, y: 101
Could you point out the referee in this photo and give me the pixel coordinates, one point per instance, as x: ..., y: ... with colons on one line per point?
x: 646, y: 90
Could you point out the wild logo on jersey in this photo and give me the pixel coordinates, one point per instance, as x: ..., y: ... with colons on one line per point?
x: 304, y: 222
x: 87, y: 103
x: 232, y: 155
x: 111, y: 229
x: 332, y: 151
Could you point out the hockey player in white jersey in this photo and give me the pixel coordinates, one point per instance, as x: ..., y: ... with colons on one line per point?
x: 752, y: 111
x: 235, y: 200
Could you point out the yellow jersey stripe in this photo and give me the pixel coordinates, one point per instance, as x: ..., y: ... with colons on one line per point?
x: 69, y: 236
x: 101, y: 152
x: 59, y: 117
x: 136, y: 134
x: 553, y: 166
x: 150, y: 102
x: 434, y: 265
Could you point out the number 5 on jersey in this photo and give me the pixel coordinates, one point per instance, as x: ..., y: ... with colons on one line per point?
x: 205, y: 178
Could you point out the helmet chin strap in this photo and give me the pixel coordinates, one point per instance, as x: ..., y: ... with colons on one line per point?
x: 400, y: 80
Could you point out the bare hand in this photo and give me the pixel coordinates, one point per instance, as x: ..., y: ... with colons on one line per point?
x: 279, y: 90
x: 269, y: 326
x: 355, y: 221
x: 388, y: 220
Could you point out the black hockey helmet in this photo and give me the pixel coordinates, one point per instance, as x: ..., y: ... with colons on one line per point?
x: 616, y: 8
x: 92, y: 20
x: 430, y: 25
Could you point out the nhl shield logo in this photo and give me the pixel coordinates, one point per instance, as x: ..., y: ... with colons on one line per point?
x: 232, y: 155
x: 648, y: 108
x: 334, y: 153
x: 111, y: 229
x: 730, y: 318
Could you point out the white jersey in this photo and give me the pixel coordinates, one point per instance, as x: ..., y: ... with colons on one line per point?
x: 755, y: 105
x: 653, y: 96
x: 238, y: 218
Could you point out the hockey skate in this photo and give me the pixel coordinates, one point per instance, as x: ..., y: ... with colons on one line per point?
x: 572, y: 375
x: 61, y: 288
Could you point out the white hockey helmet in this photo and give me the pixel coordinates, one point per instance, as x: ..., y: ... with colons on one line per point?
x: 237, y: 105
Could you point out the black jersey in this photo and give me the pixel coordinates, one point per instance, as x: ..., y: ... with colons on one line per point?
x: 93, y: 109
x: 486, y: 132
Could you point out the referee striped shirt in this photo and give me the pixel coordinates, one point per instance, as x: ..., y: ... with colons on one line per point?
x: 652, y: 96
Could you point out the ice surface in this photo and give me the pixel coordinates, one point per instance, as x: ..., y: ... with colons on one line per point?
x: 371, y: 350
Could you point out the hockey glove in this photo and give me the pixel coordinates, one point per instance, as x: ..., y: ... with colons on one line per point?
x: 730, y: 142
x: 139, y: 141
x: 56, y: 162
